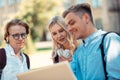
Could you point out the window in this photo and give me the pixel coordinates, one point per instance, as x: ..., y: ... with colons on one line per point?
x: 98, y: 23
x: 67, y: 4
x: 19, y: 1
x: 80, y: 1
x: 114, y: 22
x: 2, y: 3
x: 96, y: 3
x: 11, y: 2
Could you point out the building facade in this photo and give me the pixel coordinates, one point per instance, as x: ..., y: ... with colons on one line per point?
x: 7, y: 7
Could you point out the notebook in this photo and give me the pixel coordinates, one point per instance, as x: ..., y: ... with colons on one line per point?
x: 59, y: 71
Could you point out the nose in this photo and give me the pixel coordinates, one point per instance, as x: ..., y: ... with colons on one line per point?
x: 70, y: 29
x: 20, y: 37
x: 58, y: 35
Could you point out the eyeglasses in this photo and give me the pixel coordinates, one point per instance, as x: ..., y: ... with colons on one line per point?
x: 17, y: 36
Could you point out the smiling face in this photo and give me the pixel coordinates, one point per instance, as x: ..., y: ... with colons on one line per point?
x: 20, y: 42
x: 58, y: 34
x: 76, y: 25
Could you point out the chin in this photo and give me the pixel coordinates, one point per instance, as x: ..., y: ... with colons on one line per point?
x: 21, y: 46
x: 76, y: 37
x: 64, y: 42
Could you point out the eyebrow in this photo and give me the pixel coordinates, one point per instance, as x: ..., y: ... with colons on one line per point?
x: 20, y: 33
x: 70, y: 21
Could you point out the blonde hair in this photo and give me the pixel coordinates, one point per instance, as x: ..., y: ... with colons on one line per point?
x: 60, y: 21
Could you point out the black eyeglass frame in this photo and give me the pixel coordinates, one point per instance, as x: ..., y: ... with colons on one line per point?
x: 17, y: 36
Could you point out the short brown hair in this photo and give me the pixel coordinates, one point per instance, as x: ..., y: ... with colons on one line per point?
x: 15, y: 22
x: 79, y: 9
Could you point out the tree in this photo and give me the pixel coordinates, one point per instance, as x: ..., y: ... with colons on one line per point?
x: 38, y: 13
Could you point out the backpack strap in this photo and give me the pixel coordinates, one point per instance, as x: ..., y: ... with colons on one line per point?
x: 56, y: 59
x: 28, y: 60
x: 103, y: 53
x: 2, y: 60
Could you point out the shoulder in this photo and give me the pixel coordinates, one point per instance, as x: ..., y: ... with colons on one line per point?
x: 25, y: 55
x: 112, y: 36
x: 111, y: 39
x: 2, y: 52
x: 2, y: 49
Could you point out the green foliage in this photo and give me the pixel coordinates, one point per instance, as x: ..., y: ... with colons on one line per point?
x: 30, y: 48
x: 38, y: 13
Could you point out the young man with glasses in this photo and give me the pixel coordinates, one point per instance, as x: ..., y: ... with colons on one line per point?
x: 16, y: 32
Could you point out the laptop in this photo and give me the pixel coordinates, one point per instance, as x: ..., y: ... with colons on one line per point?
x: 59, y: 71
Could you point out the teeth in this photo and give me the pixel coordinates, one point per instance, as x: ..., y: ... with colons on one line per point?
x: 61, y: 39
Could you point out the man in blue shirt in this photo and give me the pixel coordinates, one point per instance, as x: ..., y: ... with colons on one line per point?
x: 87, y: 61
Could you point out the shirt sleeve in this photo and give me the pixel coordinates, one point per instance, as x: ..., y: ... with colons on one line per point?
x: 112, y: 56
x: 73, y: 63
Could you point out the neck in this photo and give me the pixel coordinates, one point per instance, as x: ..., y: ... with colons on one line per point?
x: 66, y: 45
x: 17, y: 52
x: 90, y: 30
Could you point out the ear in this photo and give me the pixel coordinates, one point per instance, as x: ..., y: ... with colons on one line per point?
x: 86, y: 18
x: 7, y: 40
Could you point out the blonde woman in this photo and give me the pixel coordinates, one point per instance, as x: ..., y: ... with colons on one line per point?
x: 64, y: 43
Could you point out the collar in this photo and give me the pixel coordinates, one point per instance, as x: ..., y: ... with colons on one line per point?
x: 92, y: 37
x: 10, y: 50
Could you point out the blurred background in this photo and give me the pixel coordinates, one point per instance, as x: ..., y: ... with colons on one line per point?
x: 37, y: 13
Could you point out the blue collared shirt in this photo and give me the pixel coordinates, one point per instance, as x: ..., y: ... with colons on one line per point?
x: 13, y: 65
x: 87, y: 61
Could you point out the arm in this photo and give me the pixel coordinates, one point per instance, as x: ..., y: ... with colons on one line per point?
x: 112, y: 52
x: 73, y: 63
